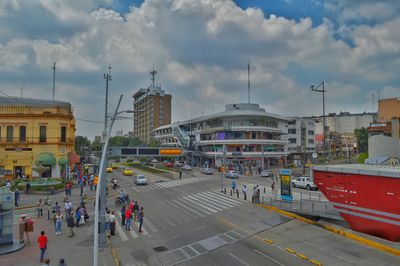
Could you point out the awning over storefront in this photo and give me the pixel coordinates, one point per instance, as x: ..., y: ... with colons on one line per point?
x: 46, y: 158
x: 62, y: 161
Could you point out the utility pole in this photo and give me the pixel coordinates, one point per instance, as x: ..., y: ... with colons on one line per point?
x: 54, y: 81
x: 107, y: 77
x: 248, y: 80
x: 313, y: 88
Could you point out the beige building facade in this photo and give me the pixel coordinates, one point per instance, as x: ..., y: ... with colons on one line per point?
x: 153, y: 108
x: 33, y: 133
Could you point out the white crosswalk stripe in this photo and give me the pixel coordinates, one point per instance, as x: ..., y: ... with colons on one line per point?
x: 223, y: 198
x: 169, y: 184
x: 188, y: 208
x: 120, y: 231
x: 190, y: 205
x: 193, y: 214
x: 200, y: 205
x: 222, y: 202
x: 207, y: 202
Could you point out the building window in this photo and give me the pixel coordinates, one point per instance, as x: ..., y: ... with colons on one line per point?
x: 10, y: 133
x: 291, y: 131
x: 292, y: 140
x: 63, y: 134
x: 42, y: 134
x: 310, y: 141
x: 22, y: 133
x: 310, y: 132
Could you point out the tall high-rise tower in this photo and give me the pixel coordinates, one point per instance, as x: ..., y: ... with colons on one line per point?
x: 155, y: 108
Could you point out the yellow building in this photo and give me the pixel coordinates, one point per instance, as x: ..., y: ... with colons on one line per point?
x: 35, y: 132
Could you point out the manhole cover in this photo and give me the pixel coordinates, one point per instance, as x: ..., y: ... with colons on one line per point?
x: 160, y: 248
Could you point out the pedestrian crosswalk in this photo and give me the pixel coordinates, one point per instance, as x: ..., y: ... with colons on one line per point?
x: 193, y: 206
x: 168, y: 184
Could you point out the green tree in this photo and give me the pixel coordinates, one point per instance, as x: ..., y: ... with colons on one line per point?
x: 361, y: 135
x: 81, y: 143
x: 154, y: 143
x: 96, y: 146
x: 120, y: 141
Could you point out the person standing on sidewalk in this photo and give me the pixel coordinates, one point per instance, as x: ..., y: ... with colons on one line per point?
x: 71, y: 224
x: 140, y: 219
x: 108, y: 224
x: 273, y: 188
x: 42, y: 240
x: 22, y: 221
x: 112, y: 223
x: 16, y: 197
x: 40, y: 208
x: 59, y: 218
x: 244, y: 190
x: 78, y: 216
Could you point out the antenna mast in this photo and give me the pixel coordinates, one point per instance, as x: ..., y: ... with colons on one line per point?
x: 153, y: 75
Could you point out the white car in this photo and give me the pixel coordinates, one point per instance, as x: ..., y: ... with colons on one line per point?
x: 266, y: 173
x: 178, y: 164
x: 140, y: 180
x: 304, y: 182
x: 186, y: 167
x: 206, y: 171
x: 232, y: 174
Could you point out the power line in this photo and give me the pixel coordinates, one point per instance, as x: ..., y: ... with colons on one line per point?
x: 90, y: 121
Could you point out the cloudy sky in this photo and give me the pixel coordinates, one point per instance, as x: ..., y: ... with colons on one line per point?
x: 200, y: 49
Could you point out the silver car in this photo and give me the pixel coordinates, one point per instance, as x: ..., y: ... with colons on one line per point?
x: 232, y: 174
x: 140, y: 180
x: 266, y: 173
x: 206, y: 171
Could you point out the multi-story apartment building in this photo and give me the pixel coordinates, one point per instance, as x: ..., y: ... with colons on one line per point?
x: 243, y: 134
x: 301, y: 135
x: 388, y: 109
x: 154, y: 108
x: 35, y: 132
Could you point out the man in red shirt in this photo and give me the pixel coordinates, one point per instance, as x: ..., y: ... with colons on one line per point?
x: 42, y: 240
x: 128, y: 219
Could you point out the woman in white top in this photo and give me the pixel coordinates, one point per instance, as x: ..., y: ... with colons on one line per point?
x: 59, y: 218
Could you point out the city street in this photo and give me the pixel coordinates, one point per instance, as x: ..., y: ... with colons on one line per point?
x: 190, y: 221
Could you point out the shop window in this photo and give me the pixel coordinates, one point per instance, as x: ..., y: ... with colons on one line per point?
x: 42, y: 134
x: 10, y: 133
x: 22, y: 133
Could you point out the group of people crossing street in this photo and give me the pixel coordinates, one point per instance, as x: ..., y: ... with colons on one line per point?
x: 132, y: 213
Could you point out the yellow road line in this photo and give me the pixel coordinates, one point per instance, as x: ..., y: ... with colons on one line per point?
x: 335, y: 230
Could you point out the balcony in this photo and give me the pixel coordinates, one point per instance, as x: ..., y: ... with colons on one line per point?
x: 4, y: 141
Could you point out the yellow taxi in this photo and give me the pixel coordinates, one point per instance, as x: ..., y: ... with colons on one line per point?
x: 127, y: 171
x: 109, y: 169
x: 114, y: 166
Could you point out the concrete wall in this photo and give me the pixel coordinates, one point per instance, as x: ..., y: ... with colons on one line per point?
x: 380, y: 145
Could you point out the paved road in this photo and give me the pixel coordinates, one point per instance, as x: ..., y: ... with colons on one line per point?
x: 190, y: 221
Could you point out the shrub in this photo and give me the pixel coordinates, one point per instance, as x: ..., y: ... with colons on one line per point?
x: 362, y: 157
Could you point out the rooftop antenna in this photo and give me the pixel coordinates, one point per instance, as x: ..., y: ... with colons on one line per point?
x: 373, y: 107
x: 107, y: 77
x: 153, y: 75
x: 54, y: 81
x: 248, y: 80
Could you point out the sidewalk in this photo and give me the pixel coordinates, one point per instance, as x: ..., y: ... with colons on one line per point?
x: 77, y: 250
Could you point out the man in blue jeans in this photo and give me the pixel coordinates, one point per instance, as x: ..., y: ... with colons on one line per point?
x: 42, y: 240
x: 140, y: 219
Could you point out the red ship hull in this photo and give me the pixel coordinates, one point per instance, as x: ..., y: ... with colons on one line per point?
x: 368, y: 203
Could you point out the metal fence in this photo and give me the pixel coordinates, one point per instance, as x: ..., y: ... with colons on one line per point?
x: 308, y: 207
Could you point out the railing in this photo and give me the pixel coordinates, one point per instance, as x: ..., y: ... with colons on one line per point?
x: 312, y: 208
x: 181, y: 136
x: 35, y: 140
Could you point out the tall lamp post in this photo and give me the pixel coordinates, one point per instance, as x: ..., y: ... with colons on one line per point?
x: 101, y: 191
x: 313, y: 88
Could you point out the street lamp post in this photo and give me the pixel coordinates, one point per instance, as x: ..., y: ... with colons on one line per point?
x: 313, y: 88
x: 101, y: 192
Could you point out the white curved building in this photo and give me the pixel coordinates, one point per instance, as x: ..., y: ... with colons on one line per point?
x: 243, y: 134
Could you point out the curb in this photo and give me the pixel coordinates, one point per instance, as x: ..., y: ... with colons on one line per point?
x: 110, y: 196
x: 114, y: 253
x: 335, y: 230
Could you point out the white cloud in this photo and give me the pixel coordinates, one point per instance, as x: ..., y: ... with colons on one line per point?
x: 200, y: 49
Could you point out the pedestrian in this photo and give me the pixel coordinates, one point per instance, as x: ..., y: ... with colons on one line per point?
x: 180, y: 174
x: 78, y: 216
x: 140, y: 218
x: 112, y: 223
x: 22, y: 221
x: 253, y: 195
x: 244, y: 190
x: 81, y: 185
x: 59, y: 218
x: 233, y: 185
x: 108, y: 224
x: 135, y: 210
x: 68, y: 208
x: 123, y: 209
x: 16, y: 197
x: 128, y: 218
x: 71, y: 224
x: 8, y: 183
x: 91, y: 182
x: 40, y: 208
x: 258, y: 195
x: 27, y: 186
x: 62, y: 262
x: 273, y: 188
x: 42, y: 240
